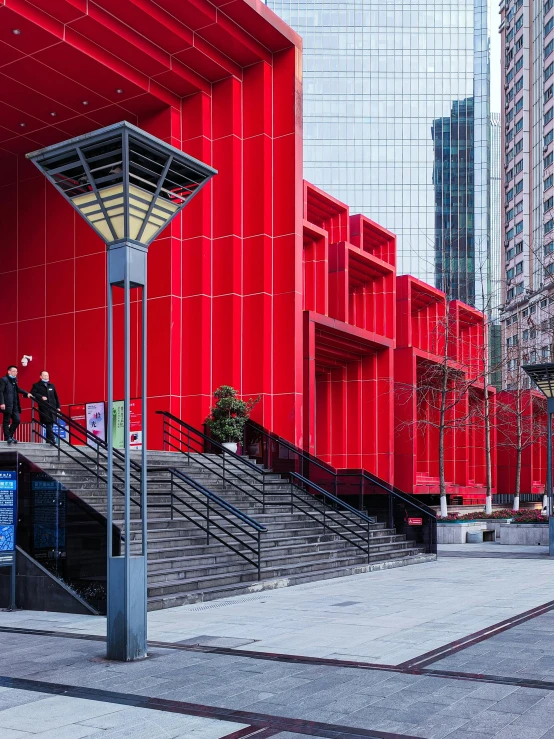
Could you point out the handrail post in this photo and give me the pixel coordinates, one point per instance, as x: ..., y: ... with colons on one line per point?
x: 259, y: 556
x: 368, y: 542
x: 188, y: 445
x: 224, y: 467
x: 391, y: 522
x: 324, y: 518
x: 208, y: 519
x: 59, y: 450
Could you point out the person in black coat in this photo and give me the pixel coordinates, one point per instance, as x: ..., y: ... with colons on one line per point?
x: 47, y: 400
x: 10, y: 405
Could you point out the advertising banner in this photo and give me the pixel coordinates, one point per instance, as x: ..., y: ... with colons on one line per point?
x: 118, y: 426
x: 8, y: 516
x: 96, y: 422
x: 135, y: 408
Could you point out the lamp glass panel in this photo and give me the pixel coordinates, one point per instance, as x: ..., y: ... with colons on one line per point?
x: 139, y: 204
x: 88, y: 205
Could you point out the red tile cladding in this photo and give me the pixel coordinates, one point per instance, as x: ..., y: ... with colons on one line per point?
x: 265, y: 282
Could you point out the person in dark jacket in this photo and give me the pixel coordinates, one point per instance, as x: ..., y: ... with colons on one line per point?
x: 10, y: 405
x: 46, y: 397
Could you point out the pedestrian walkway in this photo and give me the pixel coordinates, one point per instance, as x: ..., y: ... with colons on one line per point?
x: 462, y: 648
x: 381, y: 617
x: 24, y: 713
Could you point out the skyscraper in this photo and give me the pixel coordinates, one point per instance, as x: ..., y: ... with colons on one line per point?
x: 454, y: 185
x: 495, y: 262
x: 378, y: 74
x: 528, y: 163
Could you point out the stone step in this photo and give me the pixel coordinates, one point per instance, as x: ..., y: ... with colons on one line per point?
x: 171, y: 587
x: 183, y: 567
x: 192, y: 567
x: 166, y: 549
x: 207, y: 594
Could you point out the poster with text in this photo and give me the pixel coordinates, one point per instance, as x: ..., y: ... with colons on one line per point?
x: 135, y: 412
x: 118, y: 424
x: 96, y: 422
x: 135, y: 424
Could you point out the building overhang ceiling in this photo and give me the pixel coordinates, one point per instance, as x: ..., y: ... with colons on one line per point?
x: 68, y: 67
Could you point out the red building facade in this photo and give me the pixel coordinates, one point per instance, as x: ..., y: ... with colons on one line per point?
x: 522, y: 434
x: 441, y: 342
x: 264, y: 282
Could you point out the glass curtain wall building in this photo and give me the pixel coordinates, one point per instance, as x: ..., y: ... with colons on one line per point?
x: 379, y: 75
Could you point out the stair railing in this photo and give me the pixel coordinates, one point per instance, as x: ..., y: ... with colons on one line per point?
x: 233, y: 470
x: 401, y: 510
x: 213, y: 512
x: 92, y: 455
x: 184, y: 438
x: 90, y: 452
x: 344, y: 529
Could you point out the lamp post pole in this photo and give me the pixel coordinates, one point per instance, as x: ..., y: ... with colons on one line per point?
x: 549, y: 413
x: 543, y: 377
x: 128, y: 185
x: 127, y: 575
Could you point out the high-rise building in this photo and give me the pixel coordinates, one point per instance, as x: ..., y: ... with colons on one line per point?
x: 454, y: 185
x: 378, y: 76
x: 527, y: 32
x: 496, y: 284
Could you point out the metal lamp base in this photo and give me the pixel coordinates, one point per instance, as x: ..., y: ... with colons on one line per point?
x: 126, y: 609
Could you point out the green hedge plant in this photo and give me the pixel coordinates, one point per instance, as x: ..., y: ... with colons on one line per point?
x: 229, y: 415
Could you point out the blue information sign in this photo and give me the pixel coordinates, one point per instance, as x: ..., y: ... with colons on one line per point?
x: 8, y: 516
x: 58, y: 429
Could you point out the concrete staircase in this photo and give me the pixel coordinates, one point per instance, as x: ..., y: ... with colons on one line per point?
x: 184, y: 568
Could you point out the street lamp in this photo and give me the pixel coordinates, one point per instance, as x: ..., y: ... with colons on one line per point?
x: 128, y: 186
x: 543, y: 377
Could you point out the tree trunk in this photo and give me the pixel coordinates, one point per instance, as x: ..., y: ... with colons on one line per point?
x: 488, y: 505
x: 518, y: 454
x: 442, y: 418
x: 518, y: 479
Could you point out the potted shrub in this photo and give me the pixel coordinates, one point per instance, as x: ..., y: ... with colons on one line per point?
x: 228, y: 416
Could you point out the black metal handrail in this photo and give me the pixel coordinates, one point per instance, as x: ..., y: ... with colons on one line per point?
x: 316, y: 498
x: 302, y: 482
x: 78, y: 454
x: 182, y: 434
x: 337, y: 474
x: 223, y: 510
x: 82, y: 457
x: 328, y: 475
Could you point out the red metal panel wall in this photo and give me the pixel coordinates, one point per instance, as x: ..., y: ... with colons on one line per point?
x: 225, y: 278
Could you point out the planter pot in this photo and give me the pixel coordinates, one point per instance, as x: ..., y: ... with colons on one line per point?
x: 455, y: 532
x: 525, y: 533
x: 231, y: 446
x: 253, y: 450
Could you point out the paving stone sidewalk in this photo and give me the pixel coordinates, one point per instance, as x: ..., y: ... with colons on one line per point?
x: 425, y: 706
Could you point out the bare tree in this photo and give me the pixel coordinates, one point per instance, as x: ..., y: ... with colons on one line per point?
x: 442, y: 389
